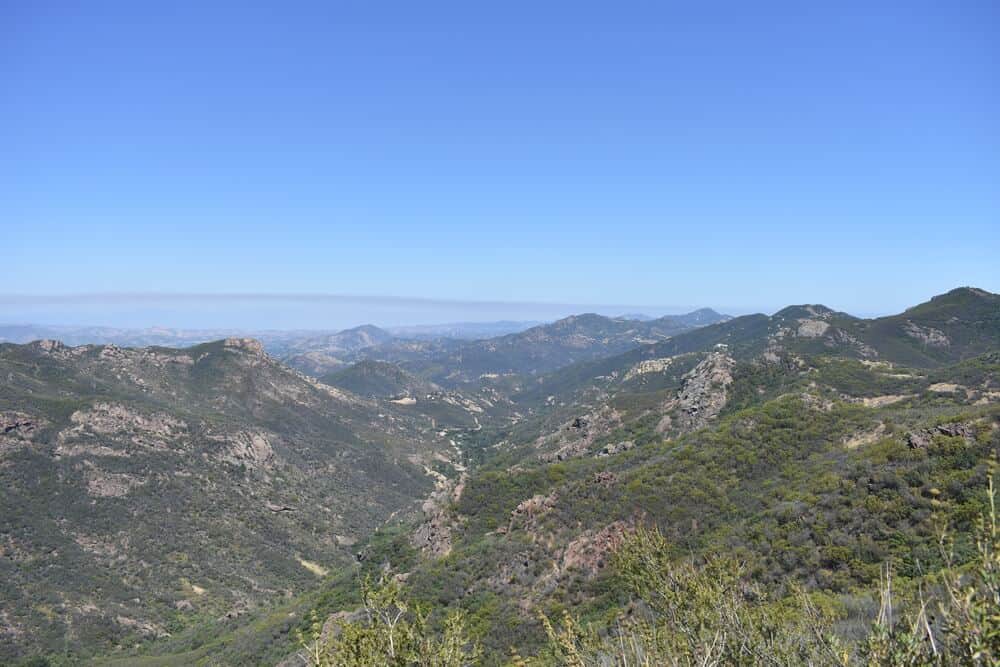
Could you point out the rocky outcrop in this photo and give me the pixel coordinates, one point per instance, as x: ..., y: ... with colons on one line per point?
x: 591, y: 551
x: 648, y: 366
x: 926, y: 335
x: 812, y: 328
x: 577, y: 436
x: 923, y: 438
x: 615, y: 448
x: 251, y: 449
x: 276, y: 508
x: 104, y: 427
x: 147, y: 628
x: 17, y: 429
x: 249, y: 345
x: 18, y: 425
x: 113, y: 418
x: 704, y: 392
x: 605, y: 478
x: 528, y: 512
x: 433, y: 536
x: 51, y: 348
x: 103, y: 484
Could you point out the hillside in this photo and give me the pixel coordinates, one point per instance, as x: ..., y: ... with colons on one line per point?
x: 322, y: 354
x: 143, y: 491
x: 378, y: 378
x: 951, y: 327
x: 681, y: 383
x: 536, y: 350
x: 772, y: 440
x: 802, y: 444
x: 448, y: 411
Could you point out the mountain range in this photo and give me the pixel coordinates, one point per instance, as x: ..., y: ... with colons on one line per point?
x: 202, y: 505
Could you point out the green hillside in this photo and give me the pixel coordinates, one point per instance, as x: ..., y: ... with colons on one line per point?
x: 800, y: 457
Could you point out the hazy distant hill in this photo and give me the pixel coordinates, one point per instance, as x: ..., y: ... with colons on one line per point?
x: 317, y: 355
x: 72, y: 335
x: 535, y: 350
x: 462, y: 330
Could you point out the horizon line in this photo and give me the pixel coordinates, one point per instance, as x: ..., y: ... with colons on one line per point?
x: 163, y: 297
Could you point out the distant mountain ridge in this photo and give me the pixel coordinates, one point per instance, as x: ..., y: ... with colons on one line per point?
x: 320, y: 354
x: 960, y: 324
x: 462, y: 330
x: 498, y: 347
x: 535, y: 350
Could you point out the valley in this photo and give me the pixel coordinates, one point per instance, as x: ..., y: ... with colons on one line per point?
x: 209, y: 504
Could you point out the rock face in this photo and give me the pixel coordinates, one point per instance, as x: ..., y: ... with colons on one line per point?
x: 251, y: 449
x: 577, y: 436
x: 527, y: 512
x: 812, y: 328
x: 17, y: 425
x: 17, y: 429
x: 615, y: 448
x: 705, y: 390
x: 956, y: 429
x: 922, y: 439
x: 591, y: 551
x: 116, y: 429
x: 103, y: 484
x: 649, y: 366
x: 251, y: 345
x: 112, y: 418
x: 433, y: 535
x: 926, y: 335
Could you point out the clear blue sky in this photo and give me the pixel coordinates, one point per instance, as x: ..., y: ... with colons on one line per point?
x: 738, y: 155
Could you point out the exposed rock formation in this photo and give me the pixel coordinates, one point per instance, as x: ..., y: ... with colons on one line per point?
x: 527, y: 512
x: 251, y: 345
x: 103, y: 484
x: 926, y: 335
x: 649, y: 366
x: 17, y: 429
x: 922, y: 439
x: 577, y: 436
x: 433, y: 535
x: 615, y: 448
x: 705, y: 391
x: 812, y: 328
x: 112, y: 429
x: 591, y: 551
x: 251, y: 449
x: 113, y: 418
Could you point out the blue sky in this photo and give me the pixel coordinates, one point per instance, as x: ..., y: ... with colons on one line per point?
x: 737, y: 155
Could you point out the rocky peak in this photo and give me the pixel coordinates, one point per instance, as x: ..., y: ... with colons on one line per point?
x: 48, y: 346
x: 251, y: 345
x: 808, y: 311
x: 705, y: 389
